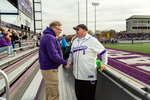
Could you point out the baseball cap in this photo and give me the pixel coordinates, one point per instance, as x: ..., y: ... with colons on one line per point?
x: 15, y: 33
x: 80, y: 26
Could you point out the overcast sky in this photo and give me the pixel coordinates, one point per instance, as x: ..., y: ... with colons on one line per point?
x: 110, y: 14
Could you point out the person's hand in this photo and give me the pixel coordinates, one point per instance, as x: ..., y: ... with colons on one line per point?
x: 8, y: 38
x: 68, y: 65
x: 103, y: 67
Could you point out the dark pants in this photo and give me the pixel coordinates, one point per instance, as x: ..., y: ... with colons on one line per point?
x: 63, y: 49
x: 13, y: 43
x: 85, y: 90
x: 66, y: 55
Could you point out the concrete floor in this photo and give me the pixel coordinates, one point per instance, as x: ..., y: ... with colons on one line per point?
x: 66, y: 85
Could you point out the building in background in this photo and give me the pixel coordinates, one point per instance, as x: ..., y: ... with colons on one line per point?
x: 138, y: 24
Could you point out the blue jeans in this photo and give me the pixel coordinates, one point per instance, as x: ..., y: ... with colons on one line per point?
x: 13, y: 43
x: 1, y: 36
x: 8, y: 48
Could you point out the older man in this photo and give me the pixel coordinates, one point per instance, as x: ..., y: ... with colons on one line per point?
x: 50, y: 58
x: 16, y: 40
x: 84, y: 52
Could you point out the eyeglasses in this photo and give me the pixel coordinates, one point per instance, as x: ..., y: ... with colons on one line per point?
x: 58, y: 29
x: 78, y: 29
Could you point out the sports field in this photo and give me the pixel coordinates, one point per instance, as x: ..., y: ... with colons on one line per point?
x: 137, y: 47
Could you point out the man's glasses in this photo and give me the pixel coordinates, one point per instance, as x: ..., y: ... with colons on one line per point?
x: 58, y: 29
x: 77, y: 29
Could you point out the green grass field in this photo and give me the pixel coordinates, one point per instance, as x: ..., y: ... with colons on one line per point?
x: 138, y: 47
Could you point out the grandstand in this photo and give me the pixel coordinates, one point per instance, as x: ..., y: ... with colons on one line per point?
x: 21, y: 78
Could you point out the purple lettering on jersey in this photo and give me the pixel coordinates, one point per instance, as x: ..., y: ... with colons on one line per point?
x: 83, y: 52
x: 90, y: 76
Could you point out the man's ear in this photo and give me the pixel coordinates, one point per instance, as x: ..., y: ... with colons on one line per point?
x: 53, y: 27
x: 84, y: 30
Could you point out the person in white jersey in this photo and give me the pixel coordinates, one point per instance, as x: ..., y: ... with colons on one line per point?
x: 84, y: 51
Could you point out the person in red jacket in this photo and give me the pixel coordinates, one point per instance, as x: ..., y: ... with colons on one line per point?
x: 5, y: 44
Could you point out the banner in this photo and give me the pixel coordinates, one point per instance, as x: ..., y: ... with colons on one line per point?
x: 26, y: 7
x: 23, y: 19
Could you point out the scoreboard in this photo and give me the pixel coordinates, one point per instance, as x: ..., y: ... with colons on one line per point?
x: 25, y: 6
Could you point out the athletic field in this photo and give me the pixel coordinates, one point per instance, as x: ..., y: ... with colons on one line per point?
x: 131, y: 59
x: 137, y: 47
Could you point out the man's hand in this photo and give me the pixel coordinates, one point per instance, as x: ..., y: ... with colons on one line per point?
x: 8, y: 38
x: 68, y: 65
x: 103, y: 67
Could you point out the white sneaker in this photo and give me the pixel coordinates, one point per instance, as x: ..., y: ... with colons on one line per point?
x: 10, y: 56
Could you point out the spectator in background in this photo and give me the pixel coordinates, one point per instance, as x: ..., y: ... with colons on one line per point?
x: 12, y: 37
x: 34, y: 37
x: 9, y: 32
x: 67, y: 52
x: 19, y: 35
x: 40, y: 34
x: 38, y: 41
x: 5, y: 44
x: 24, y: 36
x: 3, y: 31
x: 63, y: 43
x: 16, y: 40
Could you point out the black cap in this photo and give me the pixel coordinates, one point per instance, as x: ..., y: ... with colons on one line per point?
x: 80, y: 26
x: 64, y: 35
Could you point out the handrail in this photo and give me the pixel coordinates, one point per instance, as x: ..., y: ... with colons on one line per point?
x: 140, y: 91
x: 7, y: 85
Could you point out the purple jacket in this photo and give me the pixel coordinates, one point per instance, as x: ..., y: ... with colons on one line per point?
x: 1, y: 33
x: 50, y: 56
x: 3, y: 42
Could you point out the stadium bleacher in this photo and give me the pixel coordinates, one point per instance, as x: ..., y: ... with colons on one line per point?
x: 20, y: 69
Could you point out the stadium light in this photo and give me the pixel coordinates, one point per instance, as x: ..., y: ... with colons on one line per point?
x: 95, y: 4
x: 78, y: 12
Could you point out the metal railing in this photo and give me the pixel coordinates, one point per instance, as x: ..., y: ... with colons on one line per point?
x: 112, y: 87
x: 7, y: 85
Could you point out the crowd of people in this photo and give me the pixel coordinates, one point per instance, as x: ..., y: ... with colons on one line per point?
x: 136, y: 36
x: 8, y: 39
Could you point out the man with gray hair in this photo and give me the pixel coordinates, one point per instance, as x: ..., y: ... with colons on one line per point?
x: 50, y: 58
x: 16, y: 40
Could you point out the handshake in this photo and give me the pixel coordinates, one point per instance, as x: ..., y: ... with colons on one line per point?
x: 68, y: 65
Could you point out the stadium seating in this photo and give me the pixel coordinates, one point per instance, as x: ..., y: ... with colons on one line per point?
x: 25, y: 46
x: 21, y: 70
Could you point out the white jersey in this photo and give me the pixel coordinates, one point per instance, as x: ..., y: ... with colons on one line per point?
x: 83, y: 54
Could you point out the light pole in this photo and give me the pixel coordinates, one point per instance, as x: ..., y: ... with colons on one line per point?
x: 95, y: 4
x: 78, y: 12
x: 86, y: 13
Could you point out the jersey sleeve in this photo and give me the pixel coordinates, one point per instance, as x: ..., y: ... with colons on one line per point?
x: 98, y: 47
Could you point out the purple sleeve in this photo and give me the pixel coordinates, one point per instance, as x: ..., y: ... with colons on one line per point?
x: 4, y: 42
x: 53, y: 53
x: 9, y: 42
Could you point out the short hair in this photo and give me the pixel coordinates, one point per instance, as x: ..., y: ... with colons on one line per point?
x: 5, y: 34
x: 55, y: 23
x: 8, y: 29
x: 2, y: 29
